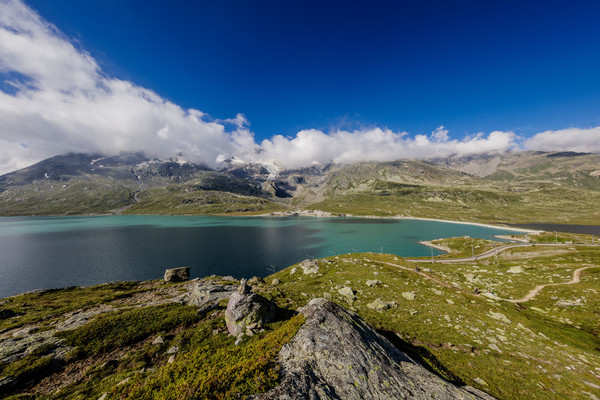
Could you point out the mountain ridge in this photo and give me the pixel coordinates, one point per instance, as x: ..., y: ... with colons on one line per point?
x: 489, y: 185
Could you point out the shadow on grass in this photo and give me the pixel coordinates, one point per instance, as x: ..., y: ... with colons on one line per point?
x: 422, y: 356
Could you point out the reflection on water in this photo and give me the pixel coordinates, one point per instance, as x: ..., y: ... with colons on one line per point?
x: 46, y: 252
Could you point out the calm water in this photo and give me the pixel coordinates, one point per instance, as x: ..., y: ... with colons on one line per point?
x: 48, y: 252
x: 586, y: 229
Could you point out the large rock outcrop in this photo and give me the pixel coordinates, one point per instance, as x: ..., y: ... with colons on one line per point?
x: 336, y: 355
x: 247, y: 311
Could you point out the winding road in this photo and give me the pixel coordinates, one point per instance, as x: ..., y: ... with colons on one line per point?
x: 489, y: 253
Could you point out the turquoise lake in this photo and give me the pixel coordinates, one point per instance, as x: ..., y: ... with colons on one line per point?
x: 50, y: 252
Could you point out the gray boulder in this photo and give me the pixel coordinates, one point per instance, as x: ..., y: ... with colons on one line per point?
x: 309, y: 267
x: 180, y: 274
x: 336, y: 355
x: 247, y: 310
x: 207, y: 295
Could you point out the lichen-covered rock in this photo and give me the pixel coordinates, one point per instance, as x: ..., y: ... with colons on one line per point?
x: 256, y: 280
x: 180, y: 274
x: 346, y: 291
x: 373, y: 282
x: 336, y: 355
x: 380, y: 305
x: 309, y: 267
x: 206, y: 294
x: 247, y: 309
x: 409, y: 295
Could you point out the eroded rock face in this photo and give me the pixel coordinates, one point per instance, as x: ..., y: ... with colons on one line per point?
x: 208, y: 295
x: 180, y: 274
x: 336, y: 355
x: 247, y: 310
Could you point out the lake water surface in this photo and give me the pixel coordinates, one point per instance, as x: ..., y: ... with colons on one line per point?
x: 49, y: 252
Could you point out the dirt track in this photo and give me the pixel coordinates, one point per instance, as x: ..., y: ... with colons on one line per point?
x: 536, y: 290
x: 532, y: 293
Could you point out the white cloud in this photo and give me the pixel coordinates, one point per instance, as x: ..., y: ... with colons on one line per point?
x: 67, y: 104
x: 311, y: 146
x: 571, y: 139
x: 60, y: 101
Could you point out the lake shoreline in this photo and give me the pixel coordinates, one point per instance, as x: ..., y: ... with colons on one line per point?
x: 327, y: 214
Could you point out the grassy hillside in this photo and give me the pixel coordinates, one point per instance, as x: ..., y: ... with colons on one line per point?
x: 518, y: 187
x: 180, y: 200
x: 70, y: 198
x: 546, y: 348
x: 458, y: 319
x: 470, y: 203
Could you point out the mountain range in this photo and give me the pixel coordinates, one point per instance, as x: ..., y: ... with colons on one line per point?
x: 514, y: 187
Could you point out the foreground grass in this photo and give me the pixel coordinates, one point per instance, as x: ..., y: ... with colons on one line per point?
x: 119, y: 329
x: 543, y: 349
x: 49, y: 305
x: 215, y: 368
x: 546, y: 348
x: 116, y: 353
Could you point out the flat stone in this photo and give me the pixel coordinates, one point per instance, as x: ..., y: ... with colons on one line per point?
x: 24, y: 332
x: 379, y: 305
x: 158, y: 340
x: 408, y: 295
x: 204, y: 294
x: 499, y: 317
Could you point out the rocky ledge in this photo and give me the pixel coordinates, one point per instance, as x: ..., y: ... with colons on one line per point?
x: 337, y: 355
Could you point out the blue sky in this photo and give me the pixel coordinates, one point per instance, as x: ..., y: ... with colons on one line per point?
x: 289, y: 65
x: 406, y: 68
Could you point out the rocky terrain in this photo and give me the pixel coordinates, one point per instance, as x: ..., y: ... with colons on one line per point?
x: 509, y: 188
x: 522, y: 324
x: 314, y: 363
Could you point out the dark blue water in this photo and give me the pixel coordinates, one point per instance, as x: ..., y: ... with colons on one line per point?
x: 585, y: 229
x: 48, y: 252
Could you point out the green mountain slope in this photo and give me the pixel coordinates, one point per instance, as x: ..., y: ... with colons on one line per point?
x: 517, y: 187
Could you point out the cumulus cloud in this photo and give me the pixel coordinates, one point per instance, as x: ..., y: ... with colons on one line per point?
x: 54, y: 99
x: 571, y: 139
x: 310, y: 146
x: 58, y: 100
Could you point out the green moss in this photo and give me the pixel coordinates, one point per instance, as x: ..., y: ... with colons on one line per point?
x: 215, y: 368
x: 114, y: 330
x: 47, y: 306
